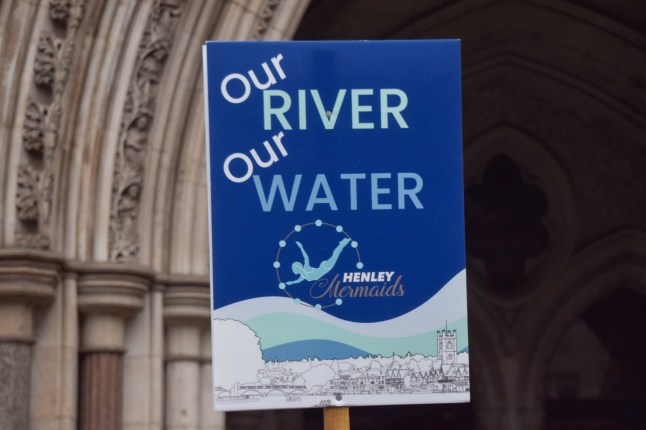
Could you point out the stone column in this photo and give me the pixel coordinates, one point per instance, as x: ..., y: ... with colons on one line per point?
x: 108, y: 295
x: 101, y: 399
x: 27, y: 280
x: 143, y: 370
x: 211, y: 420
x: 182, y: 377
x: 157, y: 362
x: 15, y: 360
x: 54, y: 359
x: 186, y: 315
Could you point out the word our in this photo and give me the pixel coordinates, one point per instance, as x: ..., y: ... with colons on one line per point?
x: 246, y: 86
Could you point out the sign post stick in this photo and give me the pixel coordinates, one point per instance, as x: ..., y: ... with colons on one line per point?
x: 336, y: 418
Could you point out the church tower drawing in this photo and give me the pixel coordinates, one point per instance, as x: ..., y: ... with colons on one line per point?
x: 447, y: 345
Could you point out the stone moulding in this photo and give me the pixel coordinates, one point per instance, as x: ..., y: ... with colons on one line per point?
x: 113, y: 288
x: 28, y: 198
x: 187, y: 299
x: 264, y: 19
x: 37, y: 172
x: 29, y: 276
x: 60, y: 10
x: 138, y: 116
x: 33, y: 241
x: 45, y: 64
x: 31, y: 279
x: 33, y: 136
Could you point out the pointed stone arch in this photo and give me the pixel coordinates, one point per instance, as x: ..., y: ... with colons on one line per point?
x: 609, y: 264
x: 539, y: 168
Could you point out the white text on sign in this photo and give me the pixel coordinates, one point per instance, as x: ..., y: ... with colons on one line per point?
x: 359, y: 103
x: 390, y: 103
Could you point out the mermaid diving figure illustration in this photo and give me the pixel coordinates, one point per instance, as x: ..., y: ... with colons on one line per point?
x: 309, y: 273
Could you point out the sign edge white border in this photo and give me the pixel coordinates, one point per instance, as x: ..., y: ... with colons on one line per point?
x: 205, y: 76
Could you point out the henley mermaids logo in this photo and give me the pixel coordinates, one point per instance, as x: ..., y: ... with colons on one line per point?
x: 327, y: 273
x: 359, y: 284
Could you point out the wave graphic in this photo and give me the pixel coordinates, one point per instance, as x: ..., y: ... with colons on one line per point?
x: 279, y: 322
x: 310, y: 349
x: 280, y: 329
x: 448, y: 304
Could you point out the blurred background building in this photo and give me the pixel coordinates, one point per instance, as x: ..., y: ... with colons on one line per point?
x: 104, y: 291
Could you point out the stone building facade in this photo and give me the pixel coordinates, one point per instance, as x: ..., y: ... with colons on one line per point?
x: 104, y: 291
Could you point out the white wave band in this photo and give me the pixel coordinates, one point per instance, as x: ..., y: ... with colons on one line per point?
x: 447, y: 305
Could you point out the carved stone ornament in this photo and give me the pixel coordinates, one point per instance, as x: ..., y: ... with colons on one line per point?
x: 27, y: 196
x: 66, y: 12
x: 33, y: 241
x: 34, y: 134
x: 138, y: 116
x: 60, y: 10
x: 46, y: 58
x: 264, y: 19
x: 66, y: 56
x: 36, y: 175
x: 34, y: 194
x: 54, y: 56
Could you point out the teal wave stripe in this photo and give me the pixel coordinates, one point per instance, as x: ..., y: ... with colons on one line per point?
x: 310, y: 349
x: 282, y: 328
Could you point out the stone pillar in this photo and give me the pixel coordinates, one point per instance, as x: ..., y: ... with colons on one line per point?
x: 15, y: 360
x: 143, y: 369
x: 27, y: 280
x: 211, y: 420
x: 54, y: 359
x: 101, y: 390
x: 157, y: 362
x: 186, y: 315
x: 183, y: 377
x: 108, y: 295
x: 101, y: 387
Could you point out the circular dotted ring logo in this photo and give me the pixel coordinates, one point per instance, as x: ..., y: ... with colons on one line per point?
x: 283, y: 243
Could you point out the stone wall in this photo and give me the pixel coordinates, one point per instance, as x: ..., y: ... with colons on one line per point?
x: 103, y: 267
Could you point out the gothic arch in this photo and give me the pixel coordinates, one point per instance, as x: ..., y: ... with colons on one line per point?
x: 610, y: 264
x: 540, y: 168
x: 501, y: 33
x: 102, y: 143
x: 570, y: 107
x: 573, y: 109
x: 486, y: 339
x: 176, y: 233
x: 118, y: 80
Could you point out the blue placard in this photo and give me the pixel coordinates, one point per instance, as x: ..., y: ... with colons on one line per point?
x: 336, y: 206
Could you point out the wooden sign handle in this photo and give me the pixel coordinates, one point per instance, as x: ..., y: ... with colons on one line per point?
x: 336, y: 418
